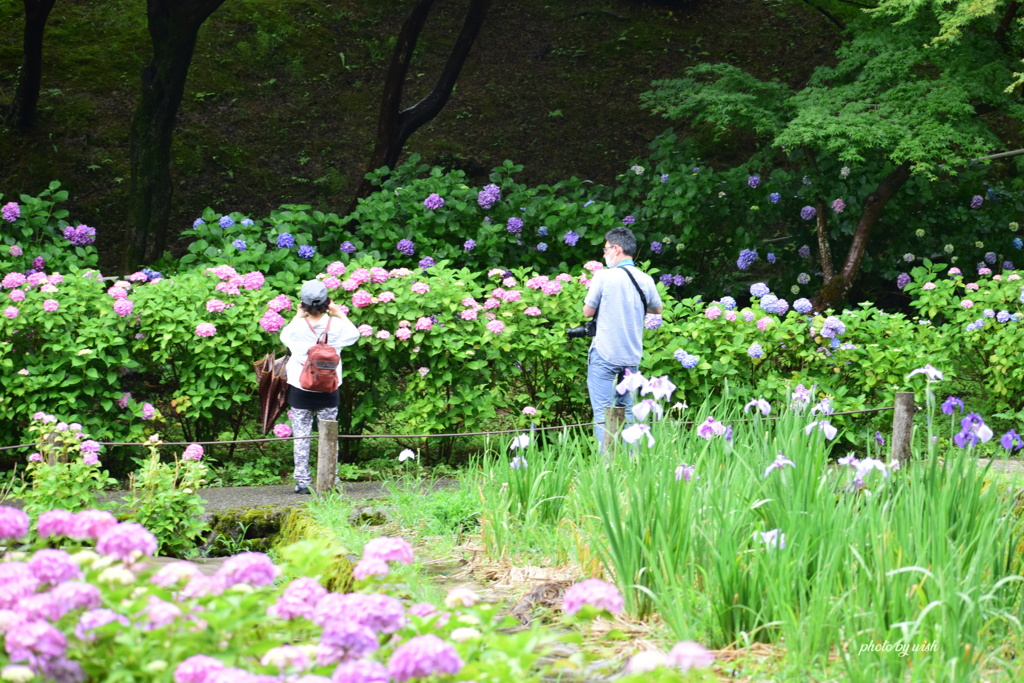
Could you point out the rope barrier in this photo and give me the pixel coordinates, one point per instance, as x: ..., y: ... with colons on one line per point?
x: 418, y: 436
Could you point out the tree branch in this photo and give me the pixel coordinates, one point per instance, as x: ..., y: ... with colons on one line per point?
x: 828, y: 15
x: 1005, y: 22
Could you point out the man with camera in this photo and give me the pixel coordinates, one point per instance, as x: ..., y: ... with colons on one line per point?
x: 618, y: 299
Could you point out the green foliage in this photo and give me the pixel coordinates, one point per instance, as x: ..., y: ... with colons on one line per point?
x: 59, y: 474
x: 165, y: 499
x: 39, y: 232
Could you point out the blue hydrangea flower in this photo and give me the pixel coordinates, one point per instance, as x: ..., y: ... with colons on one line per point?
x: 808, y: 212
x: 803, y: 278
x: 688, y: 360
x: 902, y: 280
x: 426, y: 262
x: 656, y: 247
x: 198, y: 223
x: 771, y: 257
x: 774, y: 197
x: 679, y: 280
x: 990, y: 258
x: 469, y: 245
x: 226, y: 222
x: 802, y: 305
x: 1003, y: 316
x: 347, y: 247
x: 406, y: 247
x: 542, y: 246
x: 306, y: 251
x: 976, y: 201
x: 1018, y: 243
x: 248, y: 222
x: 988, y: 313
x: 664, y: 177
x: 759, y: 289
x: 151, y: 274
x: 571, y: 238
x: 746, y: 259
x: 728, y: 303
x: 285, y: 241
x: 804, y: 251
x: 1007, y: 265
x: 652, y: 322
x: 768, y: 302
x: 240, y: 245
x: 515, y: 225
x: 754, y: 181
x: 665, y: 279
x: 542, y: 231
x: 755, y: 351
x: 628, y: 220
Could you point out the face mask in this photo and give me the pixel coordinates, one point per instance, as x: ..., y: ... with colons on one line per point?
x: 608, y: 261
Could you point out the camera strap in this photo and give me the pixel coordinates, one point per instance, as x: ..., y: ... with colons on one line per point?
x: 639, y: 291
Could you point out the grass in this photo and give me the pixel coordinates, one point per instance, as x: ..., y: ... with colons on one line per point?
x: 911, y: 574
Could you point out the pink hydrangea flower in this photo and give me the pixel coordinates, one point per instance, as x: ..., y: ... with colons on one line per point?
x: 193, y: 452
x: 337, y: 269
x: 491, y: 303
x: 424, y: 323
x: 123, y: 307
x: 228, y: 288
x: 687, y: 655
x: 496, y: 326
x: 222, y: 272
x: 12, y: 280
x: 125, y: 540
x: 713, y: 312
x: 17, y: 295
x: 137, y: 276
x: 272, y: 322
x: 252, y: 569
x: 50, y: 305
x: 537, y: 282
x: 148, y: 411
x: 564, y: 277
x: 468, y: 314
x: 400, y: 272
x: 92, y: 523
x: 513, y: 295
x: 11, y: 312
x: 403, y: 333
x: 125, y: 398
x: 378, y: 275
x: 389, y: 549
x: 468, y: 301
x: 532, y: 311
x: 48, y: 289
x: 928, y: 285
x: 282, y: 431
x: 497, y: 293
x: 495, y: 271
x: 984, y: 271
x: 972, y: 286
x: 118, y: 292
x: 331, y: 282
x: 423, y: 656
x: 966, y: 303
x: 206, y: 329
x: 349, y: 285
x: 386, y: 297
x: 593, y: 592
x: 15, y: 250
x: 55, y: 523
x: 198, y: 669
x: 420, y: 287
x: 280, y: 303
x: 215, y: 306
x: 361, y: 275
x: 730, y: 316
x: 763, y: 323
x: 56, y: 278
x: 404, y: 323
x: 423, y: 372
x: 529, y: 410
x: 362, y: 299
x: 1013, y: 276
x: 37, y: 279
x: 11, y: 211
x: 365, y: 330
x: 384, y: 334
x: 593, y: 266
x: 551, y: 287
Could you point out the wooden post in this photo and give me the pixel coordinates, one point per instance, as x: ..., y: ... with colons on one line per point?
x: 902, y: 426
x: 326, y: 456
x: 614, y: 417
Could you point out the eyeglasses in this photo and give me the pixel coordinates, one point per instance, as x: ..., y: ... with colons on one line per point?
x: 610, y: 246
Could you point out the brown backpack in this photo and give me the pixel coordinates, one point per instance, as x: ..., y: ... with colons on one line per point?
x: 320, y: 372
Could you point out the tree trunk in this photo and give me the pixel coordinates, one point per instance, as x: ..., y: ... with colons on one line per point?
x: 173, y: 27
x: 394, y: 125
x: 22, y: 115
x: 835, y: 289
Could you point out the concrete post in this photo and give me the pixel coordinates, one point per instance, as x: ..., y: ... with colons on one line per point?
x: 327, y: 456
x: 902, y: 426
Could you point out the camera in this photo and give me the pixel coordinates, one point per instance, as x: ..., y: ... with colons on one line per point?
x: 587, y: 329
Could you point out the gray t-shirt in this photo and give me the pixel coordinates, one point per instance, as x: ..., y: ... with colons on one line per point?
x: 620, y: 314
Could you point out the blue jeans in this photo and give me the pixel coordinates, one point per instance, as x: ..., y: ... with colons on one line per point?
x: 602, y: 377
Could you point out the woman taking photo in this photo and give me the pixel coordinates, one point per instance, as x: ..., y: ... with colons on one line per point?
x: 315, y: 318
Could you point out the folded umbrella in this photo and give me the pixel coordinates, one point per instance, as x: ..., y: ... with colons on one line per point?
x: 272, y: 386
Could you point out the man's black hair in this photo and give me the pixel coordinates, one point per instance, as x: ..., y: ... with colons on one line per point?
x: 624, y: 238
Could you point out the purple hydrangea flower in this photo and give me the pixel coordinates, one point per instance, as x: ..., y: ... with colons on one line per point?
x: 469, y: 245
x: 593, y: 592
x: 803, y: 305
x: 344, y: 640
x: 754, y: 181
x: 664, y: 177
x: 653, y: 322
x: 665, y: 279
x: 746, y: 259
x: 976, y: 201
x: 728, y: 303
x: 838, y: 205
x: 433, y: 201
x: 80, y: 236
x: 426, y: 262
x: 514, y: 225
x: 285, y: 241
x: 571, y: 238
x: 990, y: 258
x: 226, y: 222
x: 39, y: 263
x: 360, y: 671
x: 774, y: 197
x: 771, y: 257
x: 53, y: 567
x: 680, y: 280
x: 347, y: 247
x: 423, y: 656
x: 13, y: 523
x: 1007, y: 265
x: 759, y: 289
x: 656, y: 247
x: 240, y: 245
x: 542, y: 246
x: 253, y: 569
x: 406, y: 247
x: 628, y: 220
x: 755, y: 351
x: 11, y: 212
x: 198, y: 223
x: 808, y: 212
x: 488, y: 196
x: 804, y: 251
x: 902, y: 280
x: 306, y: 251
